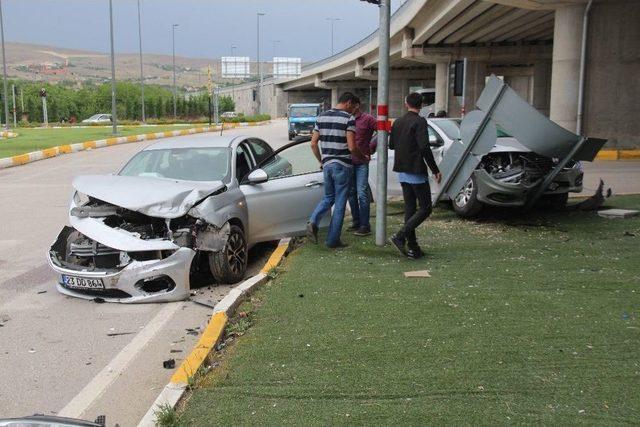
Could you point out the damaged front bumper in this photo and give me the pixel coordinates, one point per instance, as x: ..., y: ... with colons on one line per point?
x: 163, y: 279
x: 494, y: 192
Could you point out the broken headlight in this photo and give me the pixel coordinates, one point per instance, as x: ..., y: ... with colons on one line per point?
x: 80, y: 199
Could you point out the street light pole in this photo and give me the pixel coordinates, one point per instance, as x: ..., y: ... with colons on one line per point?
x: 114, y: 118
x: 259, y: 14
x: 5, y: 93
x: 333, y: 20
x: 144, y: 118
x: 275, y: 44
x: 175, y: 90
x: 233, y: 84
x: 383, y: 122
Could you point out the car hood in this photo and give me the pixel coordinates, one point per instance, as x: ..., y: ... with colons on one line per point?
x: 509, y: 144
x: 161, y: 198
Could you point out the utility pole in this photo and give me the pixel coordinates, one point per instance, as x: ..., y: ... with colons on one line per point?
x: 5, y: 93
x: 383, y: 122
x: 333, y: 20
x: 259, y: 14
x: 13, y: 96
x: 209, y: 89
x: 275, y: 44
x: 175, y: 90
x: 144, y: 117
x: 114, y: 118
x: 233, y: 84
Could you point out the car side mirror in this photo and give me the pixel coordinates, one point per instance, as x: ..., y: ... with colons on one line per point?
x: 258, y: 176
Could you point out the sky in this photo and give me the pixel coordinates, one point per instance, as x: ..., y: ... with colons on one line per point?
x: 207, y: 28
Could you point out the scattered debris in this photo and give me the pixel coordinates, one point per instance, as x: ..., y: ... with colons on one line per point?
x: 98, y: 300
x: 169, y: 364
x: 419, y: 273
x: 175, y: 351
x: 618, y: 213
x: 301, y: 296
x: 193, y: 331
x: 31, y: 351
x: 42, y: 292
x: 242, y: 314
x: 117, y: 334
x: 593, y: 203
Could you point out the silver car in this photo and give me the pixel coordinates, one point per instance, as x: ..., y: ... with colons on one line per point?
x: 182, y: 207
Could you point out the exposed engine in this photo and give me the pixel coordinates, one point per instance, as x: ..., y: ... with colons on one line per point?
x: 516, y: 168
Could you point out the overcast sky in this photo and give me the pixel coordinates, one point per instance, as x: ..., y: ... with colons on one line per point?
x: 207, y: 29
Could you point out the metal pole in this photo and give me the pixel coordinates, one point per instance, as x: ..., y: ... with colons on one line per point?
x: 333, y: 20
x: 144, y: 117
x: 233, y: 84
x: 45, y: 114
x: 583, y: 58
x: 13, y: 95
x: 175, y: 91
x: 383, y: 123
x: 259, y: 14
x: 114, y: 117
x: 5, y: 93
x: 464, y: 89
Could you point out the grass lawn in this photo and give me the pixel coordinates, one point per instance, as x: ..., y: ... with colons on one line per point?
x: 37, y: 139
x: 528, y: 320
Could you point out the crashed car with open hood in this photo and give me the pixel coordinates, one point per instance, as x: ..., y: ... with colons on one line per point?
x: 178, y: 208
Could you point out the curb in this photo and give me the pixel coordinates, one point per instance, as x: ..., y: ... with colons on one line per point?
x: 618, y: 155
x: 7, y: 134
x: 23, y: 159
x: 173, y: 392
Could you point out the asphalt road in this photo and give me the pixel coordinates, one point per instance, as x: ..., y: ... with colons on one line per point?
x: 55, y: 351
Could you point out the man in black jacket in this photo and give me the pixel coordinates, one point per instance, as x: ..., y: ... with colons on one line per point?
x: 409, y: 138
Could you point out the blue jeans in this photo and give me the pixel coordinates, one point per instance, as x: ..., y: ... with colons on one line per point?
x: 337, y: 181
x: 359, y: 202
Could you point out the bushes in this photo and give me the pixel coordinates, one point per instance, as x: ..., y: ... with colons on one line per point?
x: 248, y: 119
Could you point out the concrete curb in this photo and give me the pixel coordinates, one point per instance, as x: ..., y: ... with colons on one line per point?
x: 23, y: 159
x: 618, y: 155
x: 7, y: 134
x: 173, y: 392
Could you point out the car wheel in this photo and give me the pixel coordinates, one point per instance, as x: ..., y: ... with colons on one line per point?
x: 466, y: 203
x: 230, y: 264
x: 557, y: 201
x: 292, y: 136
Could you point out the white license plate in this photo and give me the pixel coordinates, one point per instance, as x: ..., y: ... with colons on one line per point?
x: 82, y: 283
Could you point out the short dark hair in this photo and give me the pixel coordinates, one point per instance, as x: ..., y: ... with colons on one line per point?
x: 441, y: 114
x: 414, y: 100
x: 348, y: 97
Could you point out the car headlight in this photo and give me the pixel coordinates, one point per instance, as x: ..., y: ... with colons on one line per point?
x: 80, y: 199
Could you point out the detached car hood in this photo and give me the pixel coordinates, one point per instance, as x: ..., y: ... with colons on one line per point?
x: 156, y: 197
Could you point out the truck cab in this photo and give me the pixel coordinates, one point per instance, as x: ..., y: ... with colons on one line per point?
x: 302, y: 119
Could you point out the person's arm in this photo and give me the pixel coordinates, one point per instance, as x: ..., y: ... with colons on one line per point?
x: 315, y: 138
x: 422, y: 138
x: 373, y: 127
x: 351, y: 139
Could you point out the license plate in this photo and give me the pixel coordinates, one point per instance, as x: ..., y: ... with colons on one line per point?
x: 82, y: 283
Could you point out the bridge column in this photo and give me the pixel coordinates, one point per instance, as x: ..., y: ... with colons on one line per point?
x: 565, y: 74
x: 442, y: 70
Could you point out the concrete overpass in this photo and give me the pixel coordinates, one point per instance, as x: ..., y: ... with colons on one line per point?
x: 535, y: 45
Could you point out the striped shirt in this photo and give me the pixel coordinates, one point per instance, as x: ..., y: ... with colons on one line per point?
x: 333, y: 126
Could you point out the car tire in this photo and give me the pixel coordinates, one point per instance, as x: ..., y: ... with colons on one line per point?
x: 229, y: 265
x: 557, y: 201
x: 466, y: 203
x: 292, y: 136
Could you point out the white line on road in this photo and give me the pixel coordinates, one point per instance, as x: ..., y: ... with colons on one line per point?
x: 99, y: 384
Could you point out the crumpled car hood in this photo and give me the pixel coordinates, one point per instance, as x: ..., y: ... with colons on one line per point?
x: 160, y: 198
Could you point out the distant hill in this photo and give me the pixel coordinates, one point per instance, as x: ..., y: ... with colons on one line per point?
x: 55, y: 64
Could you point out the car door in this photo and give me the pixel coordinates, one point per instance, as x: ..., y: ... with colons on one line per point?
x: 281, y: 206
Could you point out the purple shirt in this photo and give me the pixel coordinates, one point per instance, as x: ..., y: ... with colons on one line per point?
x: 366, y: 126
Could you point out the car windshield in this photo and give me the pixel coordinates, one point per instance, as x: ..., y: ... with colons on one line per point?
x: 297, y: 112
x: 95, y: 117
x: 187, y: 164
x: 451, y: 128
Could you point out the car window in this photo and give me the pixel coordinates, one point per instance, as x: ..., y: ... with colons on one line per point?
x: 296, y: 160
x: 188, y: 164
x: 434, y: 138
x: 243, y: 162
x: 261, y: 150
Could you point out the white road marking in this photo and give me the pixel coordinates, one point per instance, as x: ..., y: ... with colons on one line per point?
x: 99, y: 384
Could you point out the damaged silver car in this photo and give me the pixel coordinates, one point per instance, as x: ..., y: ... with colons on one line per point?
x: 180, y: 208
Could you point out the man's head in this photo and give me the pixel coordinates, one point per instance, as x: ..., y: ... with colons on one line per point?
x: 441, y: 114
x: 348, y: 102
x: 413, y: 101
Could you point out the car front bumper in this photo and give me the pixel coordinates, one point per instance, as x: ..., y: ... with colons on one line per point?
x: 158, y: 280
x: 497, y: 193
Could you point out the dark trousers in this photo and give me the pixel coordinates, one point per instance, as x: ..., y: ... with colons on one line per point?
x: 414, y: 195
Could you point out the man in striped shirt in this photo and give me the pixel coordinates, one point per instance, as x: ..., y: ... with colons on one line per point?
x: 333, y: 143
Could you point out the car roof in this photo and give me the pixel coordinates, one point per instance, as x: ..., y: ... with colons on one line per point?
x: 206, y: 140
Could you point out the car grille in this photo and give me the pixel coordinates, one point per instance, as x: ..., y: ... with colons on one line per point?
x: 303, y: 126
x: 89, y: 248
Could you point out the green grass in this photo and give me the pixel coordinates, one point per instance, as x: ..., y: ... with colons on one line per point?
x: 37, y: 139
x: 527, y: 320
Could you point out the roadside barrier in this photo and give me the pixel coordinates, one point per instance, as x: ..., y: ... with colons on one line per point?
x: 47, y: 153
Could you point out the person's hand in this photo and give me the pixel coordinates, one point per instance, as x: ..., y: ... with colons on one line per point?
x: 438, y: 177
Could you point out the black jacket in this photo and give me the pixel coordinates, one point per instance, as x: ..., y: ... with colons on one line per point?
x: 410, y: 140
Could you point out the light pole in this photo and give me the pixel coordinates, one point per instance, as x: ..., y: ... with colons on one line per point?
x: 5, y: 93
x: 175, y: 90
x: 333, y: 20
x: 383, y: 122
x: 114, y: 118
x: 144, y: 118
x: 275, y: 44
x: 233, y: 84
x: 259, y: 14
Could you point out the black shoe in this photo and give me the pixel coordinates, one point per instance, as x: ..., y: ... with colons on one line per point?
x: 399, y: 243
x: 362, y: 231
x: 353, y: 227
x: 312, y: 232
x: 338, y: 245
x: 414, y: 252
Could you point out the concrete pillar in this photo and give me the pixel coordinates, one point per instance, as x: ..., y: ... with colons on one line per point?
x: 441, y: 86
x: 335, y: 94
x: 565, y: 74
x: 541, y: 86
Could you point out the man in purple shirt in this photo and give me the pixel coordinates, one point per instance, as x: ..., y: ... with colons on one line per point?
x: 359, y: 201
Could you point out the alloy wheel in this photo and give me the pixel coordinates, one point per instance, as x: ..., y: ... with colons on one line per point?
x: 465, y: 194
x: 236, y: 253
